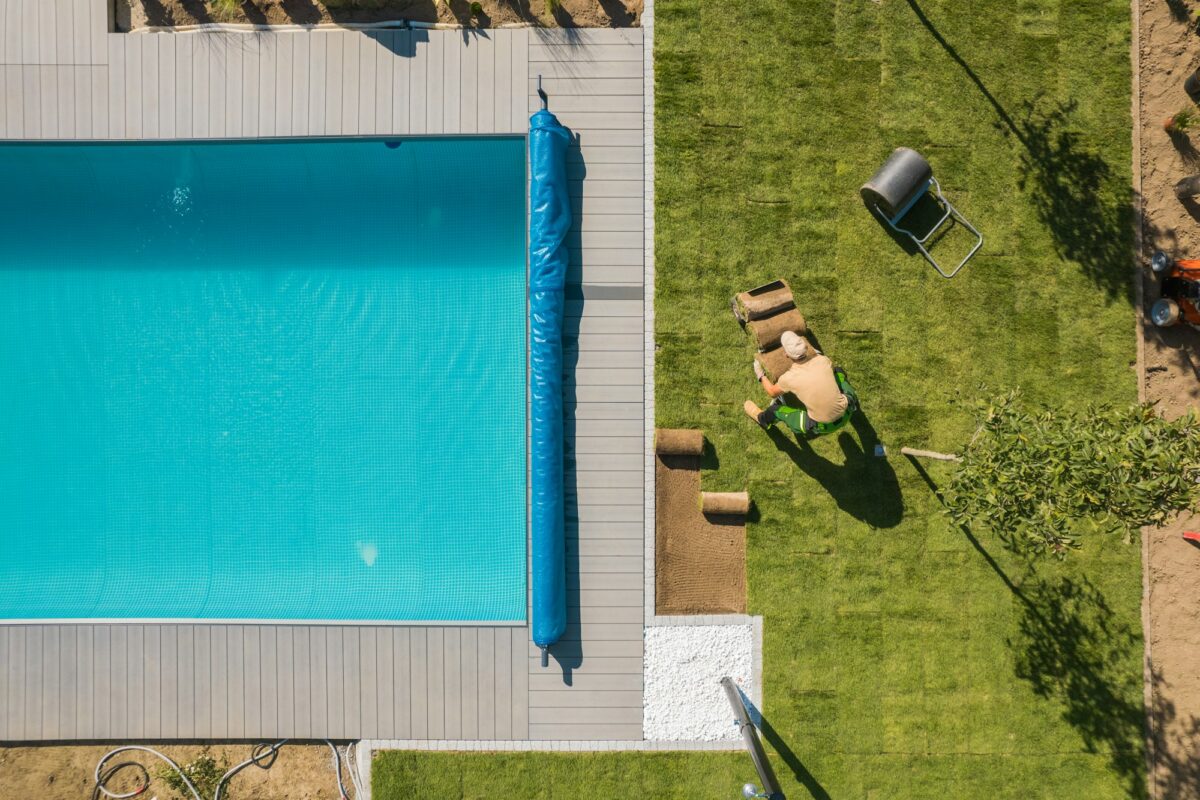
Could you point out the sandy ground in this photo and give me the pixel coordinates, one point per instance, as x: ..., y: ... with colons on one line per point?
x: 132, y: 14
x: 1169, y: 50
x: 699, y: 562
x: 302, y: 772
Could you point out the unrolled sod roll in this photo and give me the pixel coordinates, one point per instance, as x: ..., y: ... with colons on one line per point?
x: 722, y: 503
x: 678, y: 442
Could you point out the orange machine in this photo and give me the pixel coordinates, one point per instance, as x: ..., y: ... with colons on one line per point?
x: 1180, y: 300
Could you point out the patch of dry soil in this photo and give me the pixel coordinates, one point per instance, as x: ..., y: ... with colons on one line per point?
x: 53, y: 772
x: 134, y: 14
x: 1169, y: 50
x: 699, y: 561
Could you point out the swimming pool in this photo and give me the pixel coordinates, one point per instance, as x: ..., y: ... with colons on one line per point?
x: 263, y: 381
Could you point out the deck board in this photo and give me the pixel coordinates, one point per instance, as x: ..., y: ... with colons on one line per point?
x: 62, y: 76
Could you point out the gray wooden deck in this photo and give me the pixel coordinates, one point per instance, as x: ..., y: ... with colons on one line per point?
x: 62, y: 76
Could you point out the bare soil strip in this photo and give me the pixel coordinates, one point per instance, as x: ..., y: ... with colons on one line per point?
x: 1168, y: 51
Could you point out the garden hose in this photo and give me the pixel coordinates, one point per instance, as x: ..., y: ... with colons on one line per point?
x: 262, y: 755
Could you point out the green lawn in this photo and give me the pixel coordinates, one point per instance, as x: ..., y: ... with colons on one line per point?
x: 904, y: 658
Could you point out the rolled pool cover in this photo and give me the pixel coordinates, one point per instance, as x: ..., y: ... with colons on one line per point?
x: 549, y: 221
x: 725, y: 503
x: 678, y: 442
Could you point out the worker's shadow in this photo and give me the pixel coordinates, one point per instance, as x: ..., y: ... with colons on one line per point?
x: 864, y: 485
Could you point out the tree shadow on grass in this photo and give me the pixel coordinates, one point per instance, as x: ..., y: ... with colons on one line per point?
x: 1072, y: 649
x: 1083, y: 204
x: 863, y: 486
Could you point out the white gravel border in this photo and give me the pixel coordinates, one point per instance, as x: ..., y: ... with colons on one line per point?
x: 684, y: 700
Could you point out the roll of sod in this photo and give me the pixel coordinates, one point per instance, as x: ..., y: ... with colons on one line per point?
x: 678, y: 442
x: 767, y: 330
x: 765, y: 300
x: 549, y: 222
x: 725, y: 503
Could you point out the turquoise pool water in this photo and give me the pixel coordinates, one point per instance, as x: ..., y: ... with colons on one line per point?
x: 278, y: 380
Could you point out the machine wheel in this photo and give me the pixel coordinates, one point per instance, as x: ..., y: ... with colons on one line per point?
x: 1165, y: 313
x: 1160, y: 262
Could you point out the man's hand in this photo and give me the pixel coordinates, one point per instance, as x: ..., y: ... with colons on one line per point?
x: 758, y: 370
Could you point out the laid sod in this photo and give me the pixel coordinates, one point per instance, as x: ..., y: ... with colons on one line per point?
x: 904, y: 658
x: 547, y: 776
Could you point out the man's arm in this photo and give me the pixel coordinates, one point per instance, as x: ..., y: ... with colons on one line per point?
x: 771, y: 389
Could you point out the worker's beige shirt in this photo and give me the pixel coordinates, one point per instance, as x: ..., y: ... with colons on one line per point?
x: 814, y: 385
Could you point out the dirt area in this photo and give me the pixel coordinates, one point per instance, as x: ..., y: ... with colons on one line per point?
x: 301, y: 772
x: 133, y: 14
x: 1168, y: 51
x: 699, y: 561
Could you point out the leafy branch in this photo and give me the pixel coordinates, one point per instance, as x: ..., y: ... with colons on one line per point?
x: 1039, y: 479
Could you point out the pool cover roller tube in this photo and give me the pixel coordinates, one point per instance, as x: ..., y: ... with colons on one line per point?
x: 549, y: 221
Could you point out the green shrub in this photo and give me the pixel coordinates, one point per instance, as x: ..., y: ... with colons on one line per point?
x: 1038, y: 479
x: 203, y: 771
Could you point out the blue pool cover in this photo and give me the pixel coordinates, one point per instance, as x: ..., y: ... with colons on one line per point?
x: 549, y: 222
x: 267, y: 381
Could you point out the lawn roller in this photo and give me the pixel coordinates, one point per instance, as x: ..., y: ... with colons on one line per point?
x: 1180, y: 301
x: 896, y: 188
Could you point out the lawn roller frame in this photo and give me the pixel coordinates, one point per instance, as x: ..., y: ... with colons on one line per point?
x: 892, y: 192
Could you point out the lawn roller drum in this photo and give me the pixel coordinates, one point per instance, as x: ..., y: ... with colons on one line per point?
x: 896, y: 188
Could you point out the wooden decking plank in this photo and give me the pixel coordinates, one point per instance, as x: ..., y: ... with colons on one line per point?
x: 454, y: 683
x: 151, y: 689
x: 351, y: 680
x: 351, y: 79
x: 84, y: 720
x: 579, y: 37
x: 503, y: 671
x: 219, y: 90
x: 202, y: 647
x: 419, y: 682
x: 284, y: 68
x: 436, y: 673
x: 585, y: 69
x: 485, y: 82
x: 302, y: 53
x: 385, y: 77
x: 418, y: 80
x: 548, y: 682
x: 585, y: 731
x: 540, y: 52
x: 504, y: 88
x: 485, y: 684
x: 402, y: 680
x: 571, y: 85
x: 335, y: 679
x: 236, y: 714
x: 179, y: 724
x: 318, y: 73
x: 520, y: 79
x: 268, y: 81
x: 519, y: 695
x: 471, y: 679
x: 401, y: 82
x: 468, y: 101
x: 368, y: 80
x: 586, y: 715
x: 266, y: 688
x: 367, y: 684
x: 302, y: 678
x: 47, y: 32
